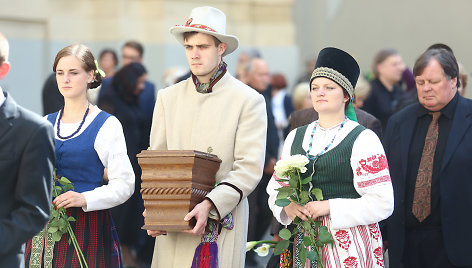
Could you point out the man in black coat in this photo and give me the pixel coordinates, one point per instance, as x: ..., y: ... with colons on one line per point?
x: 260, y: 215
x: 436, y: 233
x: 26, y: 170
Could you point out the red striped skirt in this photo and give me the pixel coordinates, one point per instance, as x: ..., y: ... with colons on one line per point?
x: 95, y: 233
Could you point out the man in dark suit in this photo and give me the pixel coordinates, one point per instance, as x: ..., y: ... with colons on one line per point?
x: 26, y: 167
x: 430, y: 226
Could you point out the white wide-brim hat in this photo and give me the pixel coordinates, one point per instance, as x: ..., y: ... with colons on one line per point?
x: 208, y: 20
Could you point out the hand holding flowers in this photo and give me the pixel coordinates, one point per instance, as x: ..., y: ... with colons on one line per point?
x: 303, y: 205
x: 59, y: 222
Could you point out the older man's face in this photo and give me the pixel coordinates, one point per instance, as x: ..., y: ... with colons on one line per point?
x: 435, y: 89
x: 259, y: 76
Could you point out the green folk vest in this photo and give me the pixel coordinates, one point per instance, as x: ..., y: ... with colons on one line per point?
x: 332, y: 170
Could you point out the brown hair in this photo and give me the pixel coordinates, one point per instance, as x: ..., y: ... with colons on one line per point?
x: 380, y: 57
x: 135, y: 45
x: 444, y: 57
x: 86, y: 58
x: 278, y: 81
x: 187, y: 35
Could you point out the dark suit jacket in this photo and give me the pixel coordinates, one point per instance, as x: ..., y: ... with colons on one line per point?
x: 455, y: 182
x: 26, y: 168
x: 308, y: 115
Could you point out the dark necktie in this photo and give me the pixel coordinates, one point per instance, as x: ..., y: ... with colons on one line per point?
x: 422, y: 197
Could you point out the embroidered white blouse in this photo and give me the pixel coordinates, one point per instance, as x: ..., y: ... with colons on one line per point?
x: 110, y: 146
x: 371, y: 177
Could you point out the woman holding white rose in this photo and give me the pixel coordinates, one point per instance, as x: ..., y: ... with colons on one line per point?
x: 347, y: 162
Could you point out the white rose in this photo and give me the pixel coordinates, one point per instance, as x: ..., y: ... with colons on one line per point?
x: 289, y: 164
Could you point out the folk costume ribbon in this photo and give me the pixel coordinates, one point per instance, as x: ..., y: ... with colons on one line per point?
x: 42, y: 243
x: 208, y: 87
x: 206, y: 254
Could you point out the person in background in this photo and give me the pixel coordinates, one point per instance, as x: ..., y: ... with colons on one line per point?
x: 463, y: 77
x: 387, y: 68
x: 51, y: 97
x: 282, y: 105
x: 211, y: 109
x: 122, y: 102
x: 26, y: 168
x: 108, y: 61
x: 362, y: 92
x: 428, y: 150
x: 306, y: 75
x: 244, y: 59
x: 88, y: 140
x: 258, y: 77
x: 133, y: 51
x: 301, y: 97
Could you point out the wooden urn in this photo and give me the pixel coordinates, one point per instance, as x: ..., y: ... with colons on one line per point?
x: 173, y: 182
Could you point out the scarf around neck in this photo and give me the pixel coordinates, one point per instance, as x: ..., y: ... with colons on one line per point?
x: 208, y: 87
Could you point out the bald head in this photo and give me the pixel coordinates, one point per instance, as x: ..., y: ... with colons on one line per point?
x: 258, y: 74
x: 4, y: 49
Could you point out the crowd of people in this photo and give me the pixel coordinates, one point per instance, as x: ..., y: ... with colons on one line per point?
x: 389, y: 150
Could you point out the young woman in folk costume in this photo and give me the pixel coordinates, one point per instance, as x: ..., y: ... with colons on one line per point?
x: 347, y: 162
x: 88, y: 140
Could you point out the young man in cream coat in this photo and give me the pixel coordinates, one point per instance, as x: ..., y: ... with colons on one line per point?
x: 211, y: 109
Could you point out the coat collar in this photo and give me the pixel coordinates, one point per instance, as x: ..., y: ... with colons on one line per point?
x: 8, y: 110
x: 460, y: 124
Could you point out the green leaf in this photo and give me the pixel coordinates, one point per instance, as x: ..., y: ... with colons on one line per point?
x: 58, y: 189
x: 302, y: 253
x: 312, y: 255
x: 62, y: 223
x: 306, y: 241
x: 64, y: 180
x: 52, y: 229
x: 281, y: 247
x: 295, y: 231
x: 324, y: 236
x: 306, y: 225
x: 285, y: 234
x: 317, y: 193
x: 282, y: 195
x: 282, y: 202
x: 56, y: 236
x: 297, y: 220
x: 71, y: 218
x: 317, y: 224
x: 293, y: 182
x: 304, y: 197
x: 284, y: 180
x: 54, y: 213
x: 306, y: 180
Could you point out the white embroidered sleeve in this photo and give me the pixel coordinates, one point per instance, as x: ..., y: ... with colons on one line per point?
x: 371, y: 181
x: 111, y: 148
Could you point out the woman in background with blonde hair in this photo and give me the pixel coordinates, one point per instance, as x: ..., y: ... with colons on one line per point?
x: 301, y: 97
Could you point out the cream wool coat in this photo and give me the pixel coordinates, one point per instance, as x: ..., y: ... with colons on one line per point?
x: 232, y: 120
